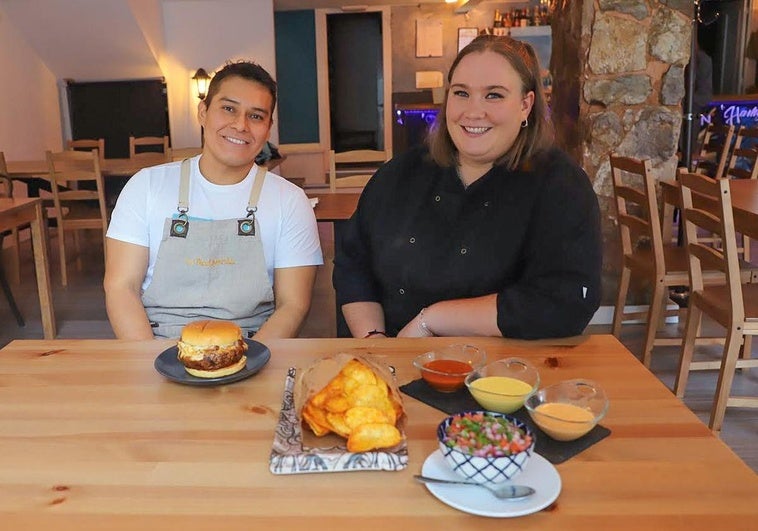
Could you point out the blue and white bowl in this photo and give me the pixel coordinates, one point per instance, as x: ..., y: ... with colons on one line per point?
x: 491, y: 470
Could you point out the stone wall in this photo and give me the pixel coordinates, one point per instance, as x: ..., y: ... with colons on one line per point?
x: 618, y: 70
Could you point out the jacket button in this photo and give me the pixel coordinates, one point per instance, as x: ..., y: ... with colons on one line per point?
x: 464, y: 250
x: 401, y: 291
x: 486, y: 203
x: 412, y: 240
x: 437, y: 198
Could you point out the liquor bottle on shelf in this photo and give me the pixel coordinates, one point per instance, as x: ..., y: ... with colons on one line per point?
x: 497, y: 24
x: 507, y: 20
x: 537, y: 16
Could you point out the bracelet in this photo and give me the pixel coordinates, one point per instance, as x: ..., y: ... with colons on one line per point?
x: 375, y: 332
x: 423, y: 326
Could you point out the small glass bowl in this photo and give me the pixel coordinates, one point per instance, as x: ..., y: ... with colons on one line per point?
x: 497, y: 391
x: 446, y: 368
x: 569, y: 409
x: 491, y: 470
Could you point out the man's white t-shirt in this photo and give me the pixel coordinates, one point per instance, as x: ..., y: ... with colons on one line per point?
x: 285, y: 216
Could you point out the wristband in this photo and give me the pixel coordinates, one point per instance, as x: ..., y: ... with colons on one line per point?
x: 422, y: 324
x: 375, y: 332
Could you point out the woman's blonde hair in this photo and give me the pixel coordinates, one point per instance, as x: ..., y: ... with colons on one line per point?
x: 536, y: 136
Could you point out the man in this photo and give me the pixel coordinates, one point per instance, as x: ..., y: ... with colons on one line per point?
x: 215, y: 236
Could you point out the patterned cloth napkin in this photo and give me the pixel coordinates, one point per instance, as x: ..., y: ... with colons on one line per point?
x: 554, y: 451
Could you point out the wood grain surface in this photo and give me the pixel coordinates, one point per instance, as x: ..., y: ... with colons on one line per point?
x: 92, y: 437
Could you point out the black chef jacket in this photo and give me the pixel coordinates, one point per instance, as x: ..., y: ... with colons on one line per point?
x: 419, y: 237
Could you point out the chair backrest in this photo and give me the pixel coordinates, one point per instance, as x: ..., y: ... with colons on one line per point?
x: 743, y: 164
x: 714, y: 151
x: 634, y: 192
x: 6, y: 183
x: 78, y: 167
x: 88, y: 144
x: 707, y: 205
x: 144, y: 147
x: 361, y: 164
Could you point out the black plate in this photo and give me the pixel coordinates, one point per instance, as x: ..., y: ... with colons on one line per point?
x: 169, y: 366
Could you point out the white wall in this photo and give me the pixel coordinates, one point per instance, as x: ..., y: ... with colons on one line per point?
x: 181, y: 35
x: 205, y: 34
x: 30, y: 117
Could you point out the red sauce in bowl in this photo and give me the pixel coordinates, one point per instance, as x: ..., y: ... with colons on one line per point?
x: 455, y: 372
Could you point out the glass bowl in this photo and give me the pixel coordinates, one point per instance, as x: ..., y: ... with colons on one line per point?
x: 470, y: 462
x: 503, y: 385
x: 567, y: 410
x: 446, y: 368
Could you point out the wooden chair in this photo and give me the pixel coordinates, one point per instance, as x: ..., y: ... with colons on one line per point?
x: 714, y: 150
x: 358, y: 159
x: 733, y: 305
x: 155, y: 147
x: 88, y: 144
x: 743, y: 164
x: 644, y: 254
x: 6, y: 190
x: 76, y: 209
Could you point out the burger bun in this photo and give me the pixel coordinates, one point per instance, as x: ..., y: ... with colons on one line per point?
x: 212, y: 349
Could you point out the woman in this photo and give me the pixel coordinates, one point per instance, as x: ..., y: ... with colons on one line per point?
x: 488, y: 230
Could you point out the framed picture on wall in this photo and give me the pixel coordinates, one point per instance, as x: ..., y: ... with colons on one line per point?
x: 465, y: 36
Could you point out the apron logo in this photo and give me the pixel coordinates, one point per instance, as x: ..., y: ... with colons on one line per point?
x: 211, y: 262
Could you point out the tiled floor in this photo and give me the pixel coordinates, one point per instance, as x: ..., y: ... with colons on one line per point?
x: 80, y: 312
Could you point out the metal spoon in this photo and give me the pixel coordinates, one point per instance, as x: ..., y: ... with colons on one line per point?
x: 503, y: 492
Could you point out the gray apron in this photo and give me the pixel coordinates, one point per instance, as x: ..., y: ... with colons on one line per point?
x: 209, y: 269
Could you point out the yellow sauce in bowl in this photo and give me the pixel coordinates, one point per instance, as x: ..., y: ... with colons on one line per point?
x: 499, y: 393
x: 563, y: 422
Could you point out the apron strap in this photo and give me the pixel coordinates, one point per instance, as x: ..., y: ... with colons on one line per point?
x: 183, y: 206
x: 252, y: 203
x: 255, y: 191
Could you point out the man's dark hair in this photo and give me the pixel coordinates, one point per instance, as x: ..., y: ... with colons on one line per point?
x: 246, y: 70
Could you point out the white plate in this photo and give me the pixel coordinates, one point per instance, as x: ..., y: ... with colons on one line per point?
x: 540, y: 474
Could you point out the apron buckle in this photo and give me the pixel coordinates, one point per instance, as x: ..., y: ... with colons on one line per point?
x: 246, y: 226
x: 179, y: 228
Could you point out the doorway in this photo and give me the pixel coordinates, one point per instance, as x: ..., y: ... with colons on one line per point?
x: 354, y: 61
x: 722, y: 34
x: 356, y: 98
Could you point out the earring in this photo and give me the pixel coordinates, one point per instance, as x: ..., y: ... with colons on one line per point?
x: 524, y: 123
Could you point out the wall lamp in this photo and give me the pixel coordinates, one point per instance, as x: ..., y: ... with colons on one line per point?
x: 202, y: 79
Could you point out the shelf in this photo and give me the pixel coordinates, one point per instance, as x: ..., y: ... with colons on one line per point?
x: 531, y: 31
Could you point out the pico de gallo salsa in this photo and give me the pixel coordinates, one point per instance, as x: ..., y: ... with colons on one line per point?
x: 483, y: 435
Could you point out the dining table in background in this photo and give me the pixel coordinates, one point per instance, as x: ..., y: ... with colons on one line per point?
x: 335, y: 206
x: 120, y: 167
x: 744, y: 194
x: 16, y: 213
x: 93, y: 437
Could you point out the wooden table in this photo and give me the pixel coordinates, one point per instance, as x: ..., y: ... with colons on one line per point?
x: 17, y: 213
x: 744, y: 194
x: 20, y: 169
x: 92, y: 437
x: 335, y: 206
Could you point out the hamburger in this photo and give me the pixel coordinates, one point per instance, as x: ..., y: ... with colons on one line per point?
x: 212, y: 349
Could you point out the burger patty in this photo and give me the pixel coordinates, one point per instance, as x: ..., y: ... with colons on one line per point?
x: 212, y: 357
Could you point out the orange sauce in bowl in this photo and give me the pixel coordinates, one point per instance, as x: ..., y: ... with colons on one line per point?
x: 455, y: 370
